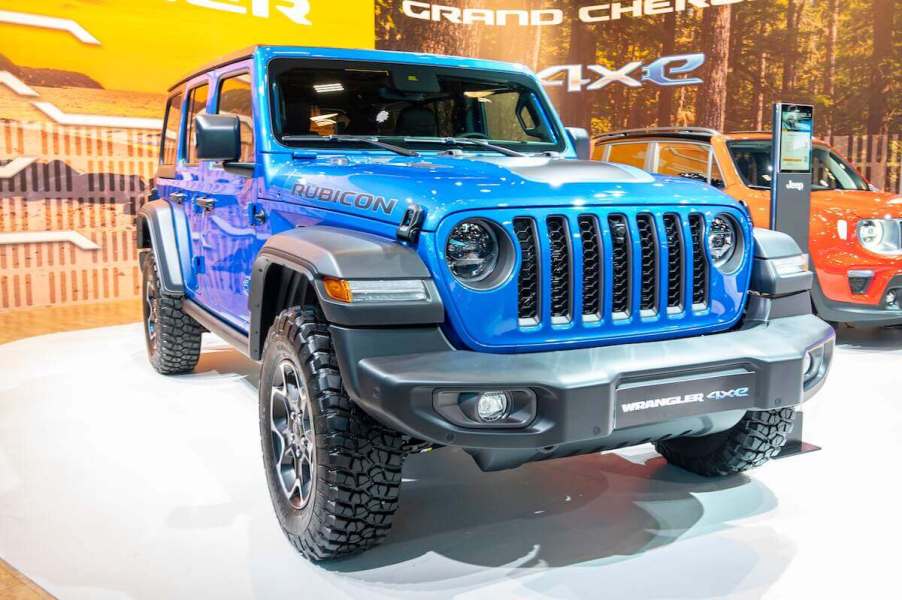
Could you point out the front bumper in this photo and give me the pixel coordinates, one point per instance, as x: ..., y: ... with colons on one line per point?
x: 577, y: 390
x: 875, y: 314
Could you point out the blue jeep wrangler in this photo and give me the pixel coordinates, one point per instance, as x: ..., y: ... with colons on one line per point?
x: 418, y: 254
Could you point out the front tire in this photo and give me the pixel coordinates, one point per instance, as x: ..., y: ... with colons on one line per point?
x: 756, y: 439
x: 334, y: 474
x: 173, y: 338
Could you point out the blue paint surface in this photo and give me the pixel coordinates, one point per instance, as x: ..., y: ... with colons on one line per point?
x: 369, y: 190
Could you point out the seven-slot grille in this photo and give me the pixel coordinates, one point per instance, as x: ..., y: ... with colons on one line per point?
x: 648, y: 262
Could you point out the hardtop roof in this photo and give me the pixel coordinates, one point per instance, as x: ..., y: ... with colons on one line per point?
x: 264, y: 53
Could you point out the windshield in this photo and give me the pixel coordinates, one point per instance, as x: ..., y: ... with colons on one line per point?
x: 828, y: 170
x: 412, y: 106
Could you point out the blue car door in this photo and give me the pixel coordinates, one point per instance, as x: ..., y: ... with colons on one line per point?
x: 235, y: 224
x: 195, y: 200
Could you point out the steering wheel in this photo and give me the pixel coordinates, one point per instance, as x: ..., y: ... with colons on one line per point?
x: 473, y: 135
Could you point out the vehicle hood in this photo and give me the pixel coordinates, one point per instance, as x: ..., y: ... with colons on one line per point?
x: 381, y: 188
x: 858, y: 203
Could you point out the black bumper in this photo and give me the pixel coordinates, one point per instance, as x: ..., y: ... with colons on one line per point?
x: 580, y: 393
x: 863, y: 315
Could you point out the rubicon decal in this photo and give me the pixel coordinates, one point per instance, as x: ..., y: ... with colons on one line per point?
x: 359, y: 200
x: 740, y: 392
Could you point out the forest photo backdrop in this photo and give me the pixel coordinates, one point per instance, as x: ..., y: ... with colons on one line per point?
x: 83, y: 82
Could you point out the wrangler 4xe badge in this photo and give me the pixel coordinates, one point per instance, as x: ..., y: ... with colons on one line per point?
x: 741, y: 392
x: 358, y: 200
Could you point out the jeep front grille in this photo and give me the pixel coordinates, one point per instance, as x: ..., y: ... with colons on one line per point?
x: 560, y: 269
x: 528, y: 278
x: 674, y: 262
x: 699, y: 261
x: 628, y: 278
x: 592, y: 269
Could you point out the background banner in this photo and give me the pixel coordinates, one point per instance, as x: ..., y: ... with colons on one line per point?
x: 82, y: 84
x: 711, y: 63
x: 82, y: 90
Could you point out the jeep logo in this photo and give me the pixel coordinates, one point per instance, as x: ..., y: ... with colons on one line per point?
x: 795, y: 185
x: 660, y: 72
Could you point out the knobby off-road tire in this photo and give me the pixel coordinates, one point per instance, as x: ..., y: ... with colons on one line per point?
x: 757, y: 438
x: 173, y: 338
x: 334, y: 474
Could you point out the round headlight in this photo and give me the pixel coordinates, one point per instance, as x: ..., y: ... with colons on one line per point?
x: 871, y: 233
x: 722, y: 240
x: 472, y: 251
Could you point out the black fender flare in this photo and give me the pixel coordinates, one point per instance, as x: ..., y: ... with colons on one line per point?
x: 162, y: 230
x: 321, y: 251
x: 768, y: 246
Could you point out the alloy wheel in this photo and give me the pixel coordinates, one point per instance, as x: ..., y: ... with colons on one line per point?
x: 293, y: 435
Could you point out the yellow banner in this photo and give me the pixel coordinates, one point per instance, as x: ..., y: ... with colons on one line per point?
x: 145, y: 45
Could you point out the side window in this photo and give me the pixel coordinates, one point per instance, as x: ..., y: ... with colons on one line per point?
x: 197, y: 102
x: 508, y: 117
x: 683, y: 160
x: 169, y: 142
x: 235, y: 98
x: 629, y: 154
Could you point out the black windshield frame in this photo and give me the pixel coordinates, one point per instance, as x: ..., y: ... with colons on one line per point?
x: 518, y: 81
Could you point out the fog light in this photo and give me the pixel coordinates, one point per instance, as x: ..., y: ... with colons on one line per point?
x: 860, y: 281
x: 492, y: 406
x: 812, y: 365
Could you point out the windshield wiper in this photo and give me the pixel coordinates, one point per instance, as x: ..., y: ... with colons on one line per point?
x: 457, y: 141
x: 351, y: 139
x: 451, y: 141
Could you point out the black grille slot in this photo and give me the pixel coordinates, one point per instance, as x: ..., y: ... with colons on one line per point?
x: 699, y: 260
x: 649, y: 244
x: 588, y: 232
x: 528, y: 279
x: 620, y: 264
x: 674, y: 261
x: 560, y: 268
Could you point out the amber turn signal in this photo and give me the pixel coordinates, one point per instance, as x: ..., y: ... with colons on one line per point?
x: 337, y: 289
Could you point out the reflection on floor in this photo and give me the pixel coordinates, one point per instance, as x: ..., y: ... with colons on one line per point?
x: 115, y: 481
x: 15, y: 586
x: 22, y: 323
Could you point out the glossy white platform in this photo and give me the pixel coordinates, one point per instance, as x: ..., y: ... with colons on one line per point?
x: 116, y: 482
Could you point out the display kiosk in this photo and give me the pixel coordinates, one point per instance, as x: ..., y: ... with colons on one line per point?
x: 790, y: 203
x: 790, y: 197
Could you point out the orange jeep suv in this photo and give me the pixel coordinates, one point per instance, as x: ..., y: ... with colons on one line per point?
x: 856, y: 231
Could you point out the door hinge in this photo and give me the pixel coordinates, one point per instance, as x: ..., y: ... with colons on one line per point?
x: 256, y: 213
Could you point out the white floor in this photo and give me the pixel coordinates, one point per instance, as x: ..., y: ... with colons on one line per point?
x: 116, y: 482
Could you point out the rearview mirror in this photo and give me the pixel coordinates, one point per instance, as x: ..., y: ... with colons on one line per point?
x: 580, y: 139
x: 218, y: 137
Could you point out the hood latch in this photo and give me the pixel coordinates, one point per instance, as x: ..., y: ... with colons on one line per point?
x: 411, y: 222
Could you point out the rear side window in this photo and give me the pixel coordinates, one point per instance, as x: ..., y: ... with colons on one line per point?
x: 682, y: 159
x: 235, y: 98
x: 169, y: 142
x: 629, y: 154
x: 197, y: 103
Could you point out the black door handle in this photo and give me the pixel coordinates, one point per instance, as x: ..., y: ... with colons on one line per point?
x: 205, y: 202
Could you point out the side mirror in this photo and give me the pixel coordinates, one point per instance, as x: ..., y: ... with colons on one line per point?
x: 580, y: 139
x: 218, y: 137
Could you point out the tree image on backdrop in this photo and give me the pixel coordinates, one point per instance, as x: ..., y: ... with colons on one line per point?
x: 599, y: 60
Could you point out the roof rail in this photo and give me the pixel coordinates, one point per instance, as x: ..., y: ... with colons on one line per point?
x: 693, y: 131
